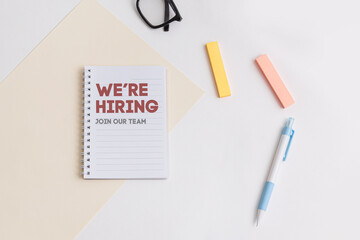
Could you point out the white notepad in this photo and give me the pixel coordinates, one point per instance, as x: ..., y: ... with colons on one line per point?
x: 125, y: 122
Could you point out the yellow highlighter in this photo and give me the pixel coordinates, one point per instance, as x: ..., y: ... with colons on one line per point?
x: 218, y: 69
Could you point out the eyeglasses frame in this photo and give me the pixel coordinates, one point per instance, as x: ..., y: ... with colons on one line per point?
x: 168, y: 3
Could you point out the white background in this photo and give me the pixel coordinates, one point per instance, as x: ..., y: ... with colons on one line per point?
x: 221, y: 151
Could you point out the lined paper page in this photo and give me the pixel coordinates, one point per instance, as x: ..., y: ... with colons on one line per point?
x: 123, y: 143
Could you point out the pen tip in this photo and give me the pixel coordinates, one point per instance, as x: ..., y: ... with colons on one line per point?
x: 259, y: 217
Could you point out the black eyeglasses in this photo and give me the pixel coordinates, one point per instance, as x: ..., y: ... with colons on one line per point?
x: 167, y: 19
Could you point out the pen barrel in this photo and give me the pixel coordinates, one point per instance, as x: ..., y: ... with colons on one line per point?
x: 275, y: 166
x: 278, y: 158
x: 266, y: 195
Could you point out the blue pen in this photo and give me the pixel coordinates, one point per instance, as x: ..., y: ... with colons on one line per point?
x: 280, y: 157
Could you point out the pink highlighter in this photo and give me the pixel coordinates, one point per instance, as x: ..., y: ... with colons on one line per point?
x: 275, y: 81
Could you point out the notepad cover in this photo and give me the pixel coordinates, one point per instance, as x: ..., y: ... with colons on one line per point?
x: 125, y: 122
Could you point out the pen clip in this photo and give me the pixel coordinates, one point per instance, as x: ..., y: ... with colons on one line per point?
x: 288, y: 146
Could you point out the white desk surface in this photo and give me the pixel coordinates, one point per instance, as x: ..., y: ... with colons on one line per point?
x: 221, y: 151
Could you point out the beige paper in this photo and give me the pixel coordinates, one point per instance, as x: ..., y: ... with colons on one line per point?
x: 42, y: 193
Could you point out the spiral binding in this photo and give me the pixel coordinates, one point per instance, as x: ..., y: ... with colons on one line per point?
x: 86, y: 161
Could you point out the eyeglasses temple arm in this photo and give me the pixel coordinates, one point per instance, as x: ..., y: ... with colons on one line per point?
x: 167, y: 15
